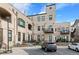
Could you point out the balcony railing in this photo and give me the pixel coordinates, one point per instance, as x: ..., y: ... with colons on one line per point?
x: 64, y: 32
x: 47, y: 30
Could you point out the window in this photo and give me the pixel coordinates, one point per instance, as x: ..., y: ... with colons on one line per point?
x: 38, y: 18
x: 74, y: 44
x: 29, y: 26
x: 38, y: 37
x: 23, y: 37
x: 29, y: 38
x: 50, y: 17
x: 38, y: 28
x: 50, y: 38
x: 55, y: 29
x: 10, y: 35
x: 43, y: 18
x: 21, y: 22
x: 50, y: 8
x: 19, y: 36
x: 42, y: 27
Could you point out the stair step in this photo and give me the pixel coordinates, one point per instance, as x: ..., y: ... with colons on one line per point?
x: 2, y: 50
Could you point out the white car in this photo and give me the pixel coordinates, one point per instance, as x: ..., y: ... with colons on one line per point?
x: 74, y: 46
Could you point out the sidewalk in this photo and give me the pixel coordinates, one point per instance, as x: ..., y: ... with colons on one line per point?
x: 17, y: 51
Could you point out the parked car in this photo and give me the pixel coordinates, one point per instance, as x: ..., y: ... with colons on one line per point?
x: 74, y: 46
x: 49, y: 46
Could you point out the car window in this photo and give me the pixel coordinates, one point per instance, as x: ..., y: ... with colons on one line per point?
x: 74, y: 44
x: 51, y: 43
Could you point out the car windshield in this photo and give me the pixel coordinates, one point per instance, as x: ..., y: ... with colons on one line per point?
x: 51, y: 43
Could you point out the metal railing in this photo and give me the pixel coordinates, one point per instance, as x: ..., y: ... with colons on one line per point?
x: 64, y: 32
x: 48, y: 30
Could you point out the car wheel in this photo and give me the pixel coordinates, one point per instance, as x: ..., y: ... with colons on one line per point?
x: 41, y: 47
x: 55, y: 50
x: 45, y: 49
x: 76, y: 49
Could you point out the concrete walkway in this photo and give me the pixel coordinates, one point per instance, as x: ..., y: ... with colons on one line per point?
x: 20, y: 50
x: 17, y: 51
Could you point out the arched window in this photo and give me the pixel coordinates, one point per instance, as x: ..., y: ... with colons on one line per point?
x: 21, y: 22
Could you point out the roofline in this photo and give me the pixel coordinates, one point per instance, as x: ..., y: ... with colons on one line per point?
x: 63, y: 22
x: 17, y: 9
x: 50, y: 5
x: 75, y: 22
x: 36, y: 14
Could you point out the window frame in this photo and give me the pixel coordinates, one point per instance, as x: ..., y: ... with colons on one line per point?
x: 21, y: 22
x: 50, y: 17
x: 43, y: 18
x: 19, y: 36
x: 38, y: 18
x: 38, y: 28
x: 10, y: 35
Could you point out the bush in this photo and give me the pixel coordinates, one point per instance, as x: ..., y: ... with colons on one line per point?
x: 63, y: 40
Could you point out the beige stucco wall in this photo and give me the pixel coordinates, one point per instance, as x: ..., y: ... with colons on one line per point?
x: 34, y: 22
x: 45, y: 23
x: 13, y: 26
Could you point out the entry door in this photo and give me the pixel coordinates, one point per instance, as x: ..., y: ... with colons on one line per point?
x: 1, y: 36
x: 28, y: 37
x: 23, y: 37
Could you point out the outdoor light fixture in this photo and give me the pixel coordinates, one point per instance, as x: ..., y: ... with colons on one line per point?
x: 8, y: 18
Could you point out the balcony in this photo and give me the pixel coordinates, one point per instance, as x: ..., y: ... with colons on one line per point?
x: 64, y: 32
x: 47, y: 30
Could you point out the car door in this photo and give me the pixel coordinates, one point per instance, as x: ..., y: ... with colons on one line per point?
x: 74, y: 46
x: 78, y: 46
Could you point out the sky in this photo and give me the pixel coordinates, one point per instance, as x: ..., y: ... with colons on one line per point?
x: 65, y: 12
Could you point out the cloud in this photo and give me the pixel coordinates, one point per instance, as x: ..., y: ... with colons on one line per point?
x: 43, y: 9
x: 23, y: 7
x: 62, y: 5
x: 58, y: 6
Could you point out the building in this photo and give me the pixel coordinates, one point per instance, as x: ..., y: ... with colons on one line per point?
x: 63, y: 31
x: 75, y: 31
x: 17, y: 28
x: 13, y: 26
x: 46, y: 28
